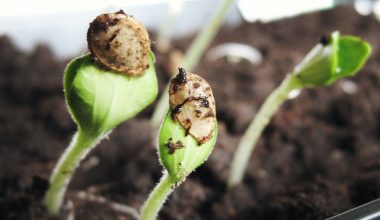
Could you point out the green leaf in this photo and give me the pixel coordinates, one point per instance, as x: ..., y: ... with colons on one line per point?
x: 352, y: 53
x: 343, y: 56
x: 316, y: 67
x: 99, y: 100
x: 186, y: 159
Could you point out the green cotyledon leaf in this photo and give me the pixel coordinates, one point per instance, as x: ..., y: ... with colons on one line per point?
x: 179, y: 152
x: 337, y: 57
x: 99, y: 99
x: 352, y: 53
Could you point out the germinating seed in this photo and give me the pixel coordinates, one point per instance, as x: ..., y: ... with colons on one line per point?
x: 120, y: 43
x: 193, y: 105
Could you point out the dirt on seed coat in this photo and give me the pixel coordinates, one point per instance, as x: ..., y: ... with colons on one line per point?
x: 193, y: 105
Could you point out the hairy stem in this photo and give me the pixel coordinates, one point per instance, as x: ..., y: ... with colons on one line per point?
x: 192, y: 56
x: 157, y: 198
x: 248, y: 142
x: 79, y: 147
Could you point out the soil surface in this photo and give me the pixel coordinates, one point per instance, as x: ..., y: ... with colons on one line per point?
x: 319, y: 156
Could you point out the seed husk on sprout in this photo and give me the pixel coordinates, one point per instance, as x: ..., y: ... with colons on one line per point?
x: 193, y: 105
x: 120, y: 43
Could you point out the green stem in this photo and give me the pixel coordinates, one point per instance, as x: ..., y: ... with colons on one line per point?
x: 248, y: 142
x: 79, y: 147
x: 192, y: 56
x: 161, y: 108
x: 201, y: 42
x: 157, y: 198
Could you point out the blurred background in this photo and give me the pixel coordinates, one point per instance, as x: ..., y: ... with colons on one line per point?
x: 61, y: 24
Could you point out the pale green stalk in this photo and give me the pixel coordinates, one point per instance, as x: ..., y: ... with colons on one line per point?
x: 248, y: 142
x: 164, y: 32
x: 157, y: 198
x: 192, y: 56
x: 79, y: 147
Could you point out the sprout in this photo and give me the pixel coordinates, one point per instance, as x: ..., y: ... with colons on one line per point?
x: 334, y: 57
x: 187, y: 136
x: 99, y: 99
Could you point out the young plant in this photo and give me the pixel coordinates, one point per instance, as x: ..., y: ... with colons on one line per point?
x: 333, y: 58
x: 187, y: 136
x: 193, y: 55
x: 103, y: 89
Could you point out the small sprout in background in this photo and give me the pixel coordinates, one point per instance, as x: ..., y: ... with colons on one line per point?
x: 334, y: 57
x: 187, y: 136
x: 102, y: 94
x: 175, y: 8
x: 235, y: 52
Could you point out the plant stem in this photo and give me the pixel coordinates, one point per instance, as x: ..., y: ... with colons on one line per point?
x: 79, y: 147
x: 157, y: 198
x: 248, y: 142
x: 203, y: 39
x: 164, y: 32
x: 192, y: 56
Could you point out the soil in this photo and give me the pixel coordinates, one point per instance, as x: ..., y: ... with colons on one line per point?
x: 318, y: 157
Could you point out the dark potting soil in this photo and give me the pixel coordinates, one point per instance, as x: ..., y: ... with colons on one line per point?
x: 319, y: 156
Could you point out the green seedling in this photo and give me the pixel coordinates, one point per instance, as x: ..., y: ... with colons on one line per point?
x: 187, y: 136
x: 103, y: 89
x: 193, y: 55
x: 333, y: 58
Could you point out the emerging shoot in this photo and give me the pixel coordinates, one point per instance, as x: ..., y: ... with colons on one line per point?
x: 334, y: 57
x: 187, y: 136
x: 193, y: 55
x: 98, y: 97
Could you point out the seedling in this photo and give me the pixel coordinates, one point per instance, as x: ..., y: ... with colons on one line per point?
x: 103, y: 89
x: 187, y: 136
x: 193, y: 55
x: 334, y: 57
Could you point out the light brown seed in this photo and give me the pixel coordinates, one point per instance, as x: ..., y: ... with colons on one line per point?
x: 119, y: 43
x: 193, y: 105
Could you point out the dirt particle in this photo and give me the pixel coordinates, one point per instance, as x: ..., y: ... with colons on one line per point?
x: 179, y: 79
x: 198, y: 112
x: 173, y: 146
x: 176, y: 110
x: 324, y: 40
x: 102, y: 25
x: 121, y: 12
x: 205, y: 103
x: 209, y: 114
x: 111, y: 39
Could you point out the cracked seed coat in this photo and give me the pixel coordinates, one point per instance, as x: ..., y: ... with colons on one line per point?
x: 193, y: 105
